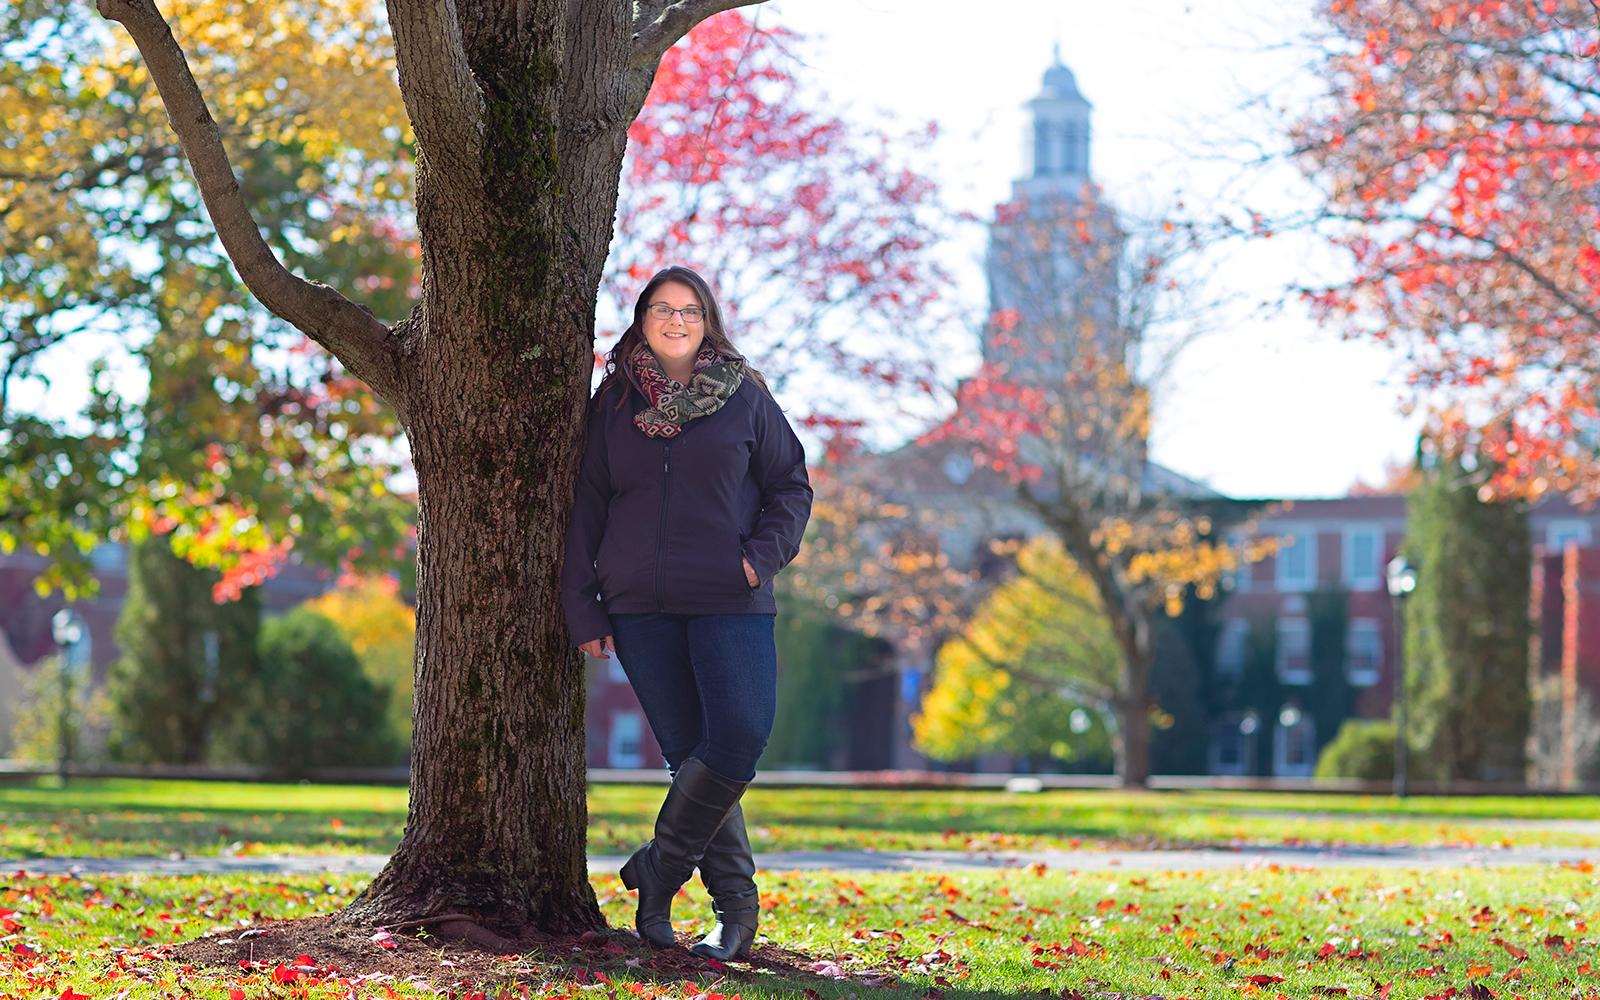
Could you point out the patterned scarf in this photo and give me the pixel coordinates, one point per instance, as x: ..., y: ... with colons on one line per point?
x: 672, y: 404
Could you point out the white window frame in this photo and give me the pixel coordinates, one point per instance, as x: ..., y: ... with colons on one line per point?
x: 1555, y: 533
x: 617, y: 752
x: 1288, y: 626
x: 1305, y: 540
x: 1280, y: 748
x: 1374, y: 577
x: 1364, y: 677
x: 1235, y: 635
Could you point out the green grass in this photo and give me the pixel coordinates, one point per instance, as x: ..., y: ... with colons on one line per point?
x: 125, y: 817
x: 1300, y: 933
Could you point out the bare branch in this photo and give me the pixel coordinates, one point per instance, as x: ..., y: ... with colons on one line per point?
x: 443, y: 100
x: 348, y: 330
x: 659, y: 26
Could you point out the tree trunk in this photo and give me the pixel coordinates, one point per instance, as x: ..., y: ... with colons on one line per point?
x: 1135, y: 709
x: 497, y: 820
x: 495, y: 416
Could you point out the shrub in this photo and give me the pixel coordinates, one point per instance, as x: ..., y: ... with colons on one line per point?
x: 1364, y: 748
x: 311, y: 704
x: 382, y: 629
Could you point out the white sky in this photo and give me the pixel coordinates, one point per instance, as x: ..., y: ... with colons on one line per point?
x: 1265, y: 407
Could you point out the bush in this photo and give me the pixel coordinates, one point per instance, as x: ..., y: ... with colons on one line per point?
x: 1364, y: 749
x: 311, y: 704
x: 382, y: 629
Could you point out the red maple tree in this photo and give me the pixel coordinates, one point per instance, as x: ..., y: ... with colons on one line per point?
x: 1459, y: 148
x: 817, y: 233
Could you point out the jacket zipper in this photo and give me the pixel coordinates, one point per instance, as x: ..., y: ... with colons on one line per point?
x: 661, y: 536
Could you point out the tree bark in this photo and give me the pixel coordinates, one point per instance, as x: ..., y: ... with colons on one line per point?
x: 521, y: 113
x: 511, y: 266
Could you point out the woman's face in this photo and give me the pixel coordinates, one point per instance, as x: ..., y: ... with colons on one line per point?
x: 674, y: 338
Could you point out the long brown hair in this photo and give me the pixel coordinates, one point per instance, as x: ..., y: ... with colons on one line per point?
x: 619, y: 362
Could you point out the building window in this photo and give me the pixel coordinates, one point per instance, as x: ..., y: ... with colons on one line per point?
x: 1294, y: 651
x: 1559, y: 534
x: 625, y: 747
x: 1230, y: 749
x: 1363, y: 651
x: 1363, y: 555
x: 1294, y: 748
x: 1297, y: 560
x: 1231, y: 646
x: 614, y: 672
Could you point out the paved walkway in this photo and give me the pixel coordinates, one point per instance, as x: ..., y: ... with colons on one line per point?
x: 1342, y: 857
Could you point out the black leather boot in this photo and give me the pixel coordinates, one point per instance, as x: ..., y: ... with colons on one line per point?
x: 697, y: 803
x: 728, y: 871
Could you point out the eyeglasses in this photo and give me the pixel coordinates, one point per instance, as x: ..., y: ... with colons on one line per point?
x: 690, y: 314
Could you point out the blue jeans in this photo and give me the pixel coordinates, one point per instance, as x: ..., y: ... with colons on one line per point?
x: 708, y: 685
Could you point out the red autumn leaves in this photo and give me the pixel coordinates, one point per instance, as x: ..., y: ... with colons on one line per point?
x: 1458, y: 152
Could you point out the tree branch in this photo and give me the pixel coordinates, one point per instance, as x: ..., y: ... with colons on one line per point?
x: 348, y: 330
x: 659, y: 26
x: 443, y: 100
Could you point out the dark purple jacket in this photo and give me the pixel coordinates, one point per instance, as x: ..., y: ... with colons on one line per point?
x: 661, y: 524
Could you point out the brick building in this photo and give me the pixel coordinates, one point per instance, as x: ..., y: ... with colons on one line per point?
x: 1345, y: 544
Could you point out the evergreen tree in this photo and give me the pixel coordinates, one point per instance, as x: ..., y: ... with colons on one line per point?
x: 815, y: 658
x: 1468, y: 703
x: 183, y: 658
x: 1330, y: 698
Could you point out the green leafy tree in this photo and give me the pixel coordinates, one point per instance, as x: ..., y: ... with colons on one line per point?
x: 253, y: 443
x: 1468, y: 700
x: 1330, y: 698
x: 311, y: 705
x: 1260, y: 694
x: 816, y: 661
x: 1039, y: 650
x: 382, y: 629
x: 183, y: 658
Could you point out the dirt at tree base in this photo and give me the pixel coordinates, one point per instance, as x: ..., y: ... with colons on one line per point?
x: 279, y: 949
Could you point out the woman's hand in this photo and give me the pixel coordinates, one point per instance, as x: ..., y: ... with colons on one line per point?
x: 750, y: 574
x: 597, y: 648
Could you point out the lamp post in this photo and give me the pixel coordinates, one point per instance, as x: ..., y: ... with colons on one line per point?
x: 1401, y: 578
x: 67, y: 629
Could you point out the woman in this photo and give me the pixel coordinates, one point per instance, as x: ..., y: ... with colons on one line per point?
x: 693, y: 494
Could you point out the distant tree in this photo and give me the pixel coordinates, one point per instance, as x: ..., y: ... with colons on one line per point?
x: 184, y: 658
x: 1260, y: 694
x: 1467, y: 686
x: 1038, y: 654
x: 818, y: 661
x: 1062, y: 408
x: 1330, y: 698
x: 816, y: 229
x: 310, y: 705
x: 382, y: 629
